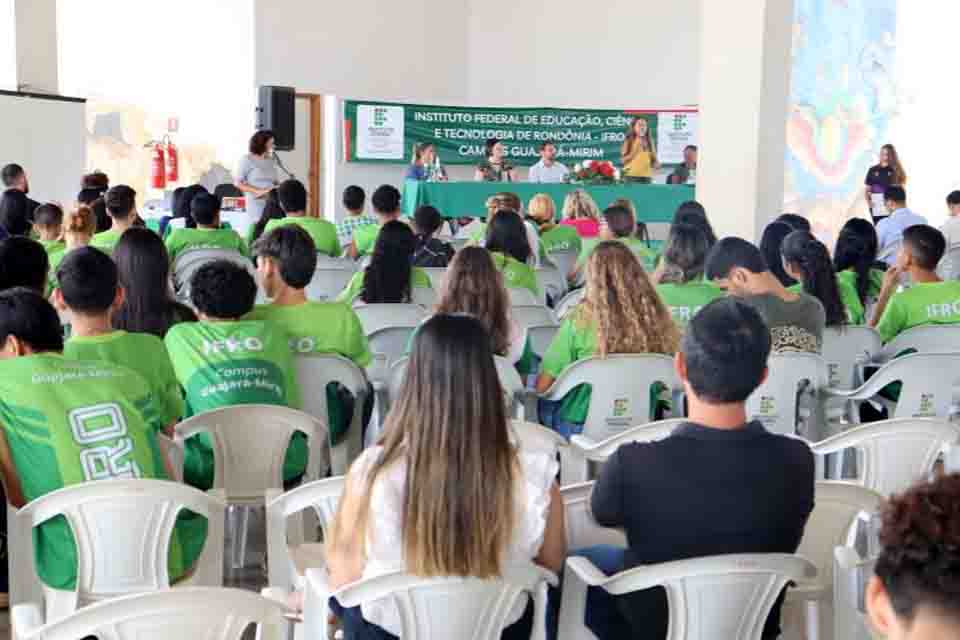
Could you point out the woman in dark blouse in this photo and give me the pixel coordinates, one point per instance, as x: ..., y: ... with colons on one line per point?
x: 495, y: 167
x: 887, y: 173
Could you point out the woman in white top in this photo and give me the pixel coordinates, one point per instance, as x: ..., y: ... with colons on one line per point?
x: 257, y: 174
x: 445, y: 492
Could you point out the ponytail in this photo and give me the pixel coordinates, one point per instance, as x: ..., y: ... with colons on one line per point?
x: 804, y: 252
x: 857, y: 249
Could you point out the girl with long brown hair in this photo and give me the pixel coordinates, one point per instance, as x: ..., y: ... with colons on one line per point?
x: 620, y: 313
x: 638, y: 153
x: 888, y: 172
x: 445, y: 492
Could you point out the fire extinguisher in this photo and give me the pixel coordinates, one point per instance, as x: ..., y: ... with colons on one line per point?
x: 173, y: 166
x: 158, y: 174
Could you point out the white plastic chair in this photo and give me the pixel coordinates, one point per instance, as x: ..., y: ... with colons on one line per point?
x: 776, y: 403
x: 540, y: 323
x: 388, y: 328
x: 581, y: 529
x: 525, y: 297
x: 931, y: 338
x: 436, y: 275
x: 194, y: 612
x: 564, y: 260
x: 838, y: 507
x: 569, y: 301
x: 620, y: 395
x: 190, y: 261
x: 530, y: 435
x: 727, y: 596
x: 845, y: 351
x: 423, y: 296
x: 552, y: 283
x: 332, y: 276
x: 949, y: 265
x: 314, y: 372
x: 894, y: 454
x: 851, y: 574
x: 437, y: 608
x: 583, y: 451
x: 122, y: 531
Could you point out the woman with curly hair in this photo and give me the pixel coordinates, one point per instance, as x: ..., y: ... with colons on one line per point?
x: 620, y: 313
x: 915, y: 593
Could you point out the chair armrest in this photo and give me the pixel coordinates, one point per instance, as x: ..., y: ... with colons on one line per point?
x: 587, y: 572
x: 315, y: 596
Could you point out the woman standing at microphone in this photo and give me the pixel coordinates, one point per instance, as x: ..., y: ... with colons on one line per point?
x: 638, y: 155
x: 257, y: 174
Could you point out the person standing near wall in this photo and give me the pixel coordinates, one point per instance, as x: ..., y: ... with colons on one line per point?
x: 638, y: 155
x: 257, y: 174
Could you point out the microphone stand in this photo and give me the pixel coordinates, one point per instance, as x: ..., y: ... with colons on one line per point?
x: 280, y: 164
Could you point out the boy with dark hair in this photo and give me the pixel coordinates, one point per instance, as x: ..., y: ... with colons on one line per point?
x: 890, y: 229
x: 208, y: 234
x: 796, y: 320
x: 66, y: 421
x: 353, y: 201
x: 89, y: 288
x: 929, y: 300
x: 293, y: 201
x: 224, y: 360
x: 757, y: 486
x: 23, y: 263
x: 386, y: 204
x: 121, y: 203
x: 951, y: 228
x: 430, y: 251
x: 48, y: 223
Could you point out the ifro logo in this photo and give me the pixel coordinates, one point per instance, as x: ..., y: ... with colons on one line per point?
x: 679, y: 121
x: 379, y: 117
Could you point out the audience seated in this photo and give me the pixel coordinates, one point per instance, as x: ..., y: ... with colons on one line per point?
x: 430, y: 251
x: 148, y: 305
x: 353, y: 201
x: 719, y: 484
x: 620, y: 313
x: 208, y: 234
x: 121, y: 202
x: 293, y: 200
x: 679, y: 277
x: 386, y: 205
x: 542, y: 211
x: 928, y: 300
x: 66, y: 421
x: 692, y: 212
x: 796, y: 319
x: 511, y: 202
x: 771, y: 244
x: 507, y: 241
x: 15, y: 213
x: 448, y: 429
x: 183, y: 202
x: 951, y: 228
x: 48, y: 225
x: 88, y: 287
x: 389, y: 278
x: 619, y: 224
x: 890, y: 229
x: 915, y: 593
x: 807, y: 260
x: 23, y: 263
x: 79, y: 227
x: 855, y: 259
x: 224, y: 360
x: 582, y: 213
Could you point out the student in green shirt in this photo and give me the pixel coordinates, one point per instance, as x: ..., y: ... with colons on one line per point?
x: 855, y: 259
x: 121, y: 202
x: 89, y: 289
x: 208, y: 234
x: 679, y: 276
x: 806, y: 260
x: 507, y: 240
x: 224, y: 360
x: 286, y: 260
x: 620, y: 313
x: 293, y: 201
x: 388, y: 278
x: 929, y: 300
x: 620, y: 225
x: 23, y: 263
x: 48, y: 225
x: 553, y: 237
x: 386, y: 205
x: 66, y: 421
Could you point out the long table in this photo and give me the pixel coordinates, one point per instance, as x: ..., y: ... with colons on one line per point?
x: 654, y: 202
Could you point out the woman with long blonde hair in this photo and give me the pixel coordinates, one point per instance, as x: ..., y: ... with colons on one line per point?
x: 445, y: 492
x: 638, y: 153
x: 620, y: 313
x: 581, y: 212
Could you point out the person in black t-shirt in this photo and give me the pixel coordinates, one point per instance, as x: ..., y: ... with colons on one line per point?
x: 887, y: 173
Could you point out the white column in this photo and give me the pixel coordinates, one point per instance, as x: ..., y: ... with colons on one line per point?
x: 745, y: 63
x: 38, y: 62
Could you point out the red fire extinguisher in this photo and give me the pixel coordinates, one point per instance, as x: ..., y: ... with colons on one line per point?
x: 173, y: 166
x: 158, y: 174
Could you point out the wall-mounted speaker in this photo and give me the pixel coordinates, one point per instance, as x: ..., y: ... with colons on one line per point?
x: 276, y: 112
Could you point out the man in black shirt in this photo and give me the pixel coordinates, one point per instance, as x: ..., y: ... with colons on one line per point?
x: 717, y: 485
x: 14, y: 177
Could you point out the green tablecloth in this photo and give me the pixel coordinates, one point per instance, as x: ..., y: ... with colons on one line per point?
x: 654, y: 202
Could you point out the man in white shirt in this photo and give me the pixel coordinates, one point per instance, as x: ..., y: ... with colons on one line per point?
x: 890, y: 229
x: 951, y: 228
x: 548, y: 169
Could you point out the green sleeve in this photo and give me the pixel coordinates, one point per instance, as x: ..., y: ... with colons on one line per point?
x: 173, y: 246
x: 894, y: 319
x: 364, y: 238
x: 169, y: 393
x: 525, y: 365
x: 561, y: 353
x: 357, y: 345
x: 354, y: 287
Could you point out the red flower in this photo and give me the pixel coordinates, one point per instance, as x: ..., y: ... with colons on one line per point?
x: 605, y: 169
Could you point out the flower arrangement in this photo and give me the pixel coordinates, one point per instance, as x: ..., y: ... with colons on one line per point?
x: 594, y: 172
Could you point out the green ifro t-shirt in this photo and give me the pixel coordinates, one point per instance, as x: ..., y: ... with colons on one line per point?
x: 875, y: 281
x: 560, y: 238
x: 324, y: 233
x: 570, y: 344
x: 222, y: 364
x: 52, y: 246
x: 365, y: 237
x: 106, y: 240
x: 685, y: 300
x: 923, y: 303
x: 418, y: 278
x: 516, y: 275
x: 848, y: 296
x: 186, y: 239
x: 646, y: 255
x: 69, y: 421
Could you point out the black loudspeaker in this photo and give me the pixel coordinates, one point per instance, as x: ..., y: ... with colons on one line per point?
x: 276, y: 112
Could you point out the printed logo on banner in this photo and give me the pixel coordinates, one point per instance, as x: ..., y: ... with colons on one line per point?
x: 677, y: 129
x: 380, y: 132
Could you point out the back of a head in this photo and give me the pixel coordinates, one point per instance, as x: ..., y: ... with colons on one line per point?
x: 143, y: 266
x: 692, y: 212
x: 726, y: 346
x: 354, y: 198
x: 223, y: 290
x: 804, y: 253
x: 731, y: 253
x: 427, y: 220
x: 542, y: 208
x: 953, y: 198
x: 387, y: 278
x: 770, y: 245
x: 23, y: 263
x: 205, y: 209
x: 88, y: 280
x: 81, y: 221
x: 14, y: 212
x: 97, y: 180
x: 48, y: 216
x: 926, y: 245
x: 897, y: 195
x: 856, y: 249
x: 472, y: 284
x: 293, y: 251
x: 10, y: 174
x: 685, y: 254
x: 920, y: 539
x: 89, y: 196
x: 507, y: 234
x: 26, y: 315
x: 579, y: 204
x: 292, y: 195
x: 121, y: 202
x: 185, y: 201
x: 386, y: 200
x: 797, y: 222
x: 620, y: 221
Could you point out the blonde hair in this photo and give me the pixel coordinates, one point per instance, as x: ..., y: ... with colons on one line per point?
x: 579, y: 204
x: 622, y: 305
x: 79, y: 224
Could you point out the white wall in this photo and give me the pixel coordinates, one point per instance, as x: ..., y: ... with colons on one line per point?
x: 8, y: 46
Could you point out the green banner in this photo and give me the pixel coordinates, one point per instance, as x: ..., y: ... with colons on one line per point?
x: 386, y: 132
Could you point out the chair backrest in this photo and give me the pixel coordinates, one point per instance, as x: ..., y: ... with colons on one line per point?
x: 850, y: 577
x: 423, y: 296
x: 838, y: 505
x: 928, y: 380
x: 949, y: 265
x: 646, y: 432
x: 552, y: 283
x: 190, y: 261
x: 250, y: 443
x: 581, y: 528
x: 436, y: 275
x: 564, y: 260
x: 522, y: 296
x: 894, y: 454
x: 931, y: 338
x: 530, y: 435
x: 510, y: 381
x: 846, y: 348
x: 193, y: 612
x: 326, y: 284
x: 775, y: 402
x: 540, y: 323
x: 123, y: 530
x: 374, y: 317
x: 568, y: 302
